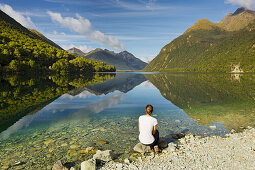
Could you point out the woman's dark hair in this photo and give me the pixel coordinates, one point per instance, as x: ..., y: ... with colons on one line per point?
x: 148, y: 105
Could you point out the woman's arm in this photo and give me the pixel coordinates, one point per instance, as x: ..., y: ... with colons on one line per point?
x: 154, y: 129
x: 138, y: 126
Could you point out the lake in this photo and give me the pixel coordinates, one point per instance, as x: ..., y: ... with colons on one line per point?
x: 54, y: 118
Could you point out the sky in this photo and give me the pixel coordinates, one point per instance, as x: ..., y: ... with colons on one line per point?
x: 141, y: 27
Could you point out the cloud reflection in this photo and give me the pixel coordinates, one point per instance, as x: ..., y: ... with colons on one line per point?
x: 40, y: 116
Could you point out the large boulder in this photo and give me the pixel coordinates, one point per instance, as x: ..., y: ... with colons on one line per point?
x: 106, y: 155
x: 88, y: 165
x: 59, y: 166
x: 141, y: 148
x: 171, y: 148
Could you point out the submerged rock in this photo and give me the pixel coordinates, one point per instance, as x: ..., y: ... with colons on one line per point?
x: 178, y: 136
x: 63, y: 144
x: 88, y: 150
x: 5, y: 167
x: 59, y: 166
x: 106, y: 156
x: 71, y: 153
x: 212, y: 127
x: 74, y: 146
x: 48, y: 142
x: 101, y: 142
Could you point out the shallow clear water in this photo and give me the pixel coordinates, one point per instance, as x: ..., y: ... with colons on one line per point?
x: 109, y: 111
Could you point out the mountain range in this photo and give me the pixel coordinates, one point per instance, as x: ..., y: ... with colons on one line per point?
x: 227, y: 46
x: 122, y: 61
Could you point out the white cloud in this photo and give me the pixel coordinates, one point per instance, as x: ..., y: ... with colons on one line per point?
x: 83, y: 26
x: 25, y: 21
x: 249, y: 4
x: 83, y: 48
x: 147, y: 59
x: 141, y: 5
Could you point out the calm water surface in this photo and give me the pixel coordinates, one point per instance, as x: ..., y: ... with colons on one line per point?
x: 109, y: 111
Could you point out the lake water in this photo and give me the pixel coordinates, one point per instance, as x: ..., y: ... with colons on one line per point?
x: 54, y: 121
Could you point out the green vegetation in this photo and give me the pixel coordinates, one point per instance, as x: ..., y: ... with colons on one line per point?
x: 27, y: 51
x: 228, y: 46
x: 20, y: 95
x: 225, y: 98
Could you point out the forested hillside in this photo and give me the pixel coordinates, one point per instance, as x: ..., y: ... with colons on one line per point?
x: 228, y: 46
x: 28, y: 51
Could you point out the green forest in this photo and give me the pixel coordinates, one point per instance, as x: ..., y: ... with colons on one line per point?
x: 27, y: 51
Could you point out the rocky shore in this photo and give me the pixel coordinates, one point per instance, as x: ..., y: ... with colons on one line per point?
x: 235, y: 151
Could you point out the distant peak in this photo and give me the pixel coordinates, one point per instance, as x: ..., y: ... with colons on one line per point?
x: 74, y: 49
x: 204, y: 24
x: 123, y: 52
x: 98, y: 49
x: 241, y: 10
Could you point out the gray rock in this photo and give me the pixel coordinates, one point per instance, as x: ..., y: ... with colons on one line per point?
x: 106, y: 155
x: 141, y: 148
x: 162, y: 143
x: 171, y: 148
x: 88, y: 165
x: 133, y: 167
x: 127, y: 161
x: 59, y: 166
x: 119, y: 166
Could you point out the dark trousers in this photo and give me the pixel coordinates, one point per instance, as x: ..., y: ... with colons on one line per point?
x: 156, y: 137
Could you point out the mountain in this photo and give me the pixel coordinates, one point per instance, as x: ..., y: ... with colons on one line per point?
x: 25, y: 51
x: 122, y: 61
x: 43, y: 38
x: 76, y: 51
x: 227, y: 46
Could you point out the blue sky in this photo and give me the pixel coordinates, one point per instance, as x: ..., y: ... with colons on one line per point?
x: 141, y: 27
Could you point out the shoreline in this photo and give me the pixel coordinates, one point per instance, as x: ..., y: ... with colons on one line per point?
x: 234, y: 151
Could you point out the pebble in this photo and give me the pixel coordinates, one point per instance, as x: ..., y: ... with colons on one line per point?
x: 127, y: 161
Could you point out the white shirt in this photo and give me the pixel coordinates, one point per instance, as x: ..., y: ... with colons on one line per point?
x: 146, y: 124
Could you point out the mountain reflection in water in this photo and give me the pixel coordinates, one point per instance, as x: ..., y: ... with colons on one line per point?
x: 48, y: 117
x: 208, y: 98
